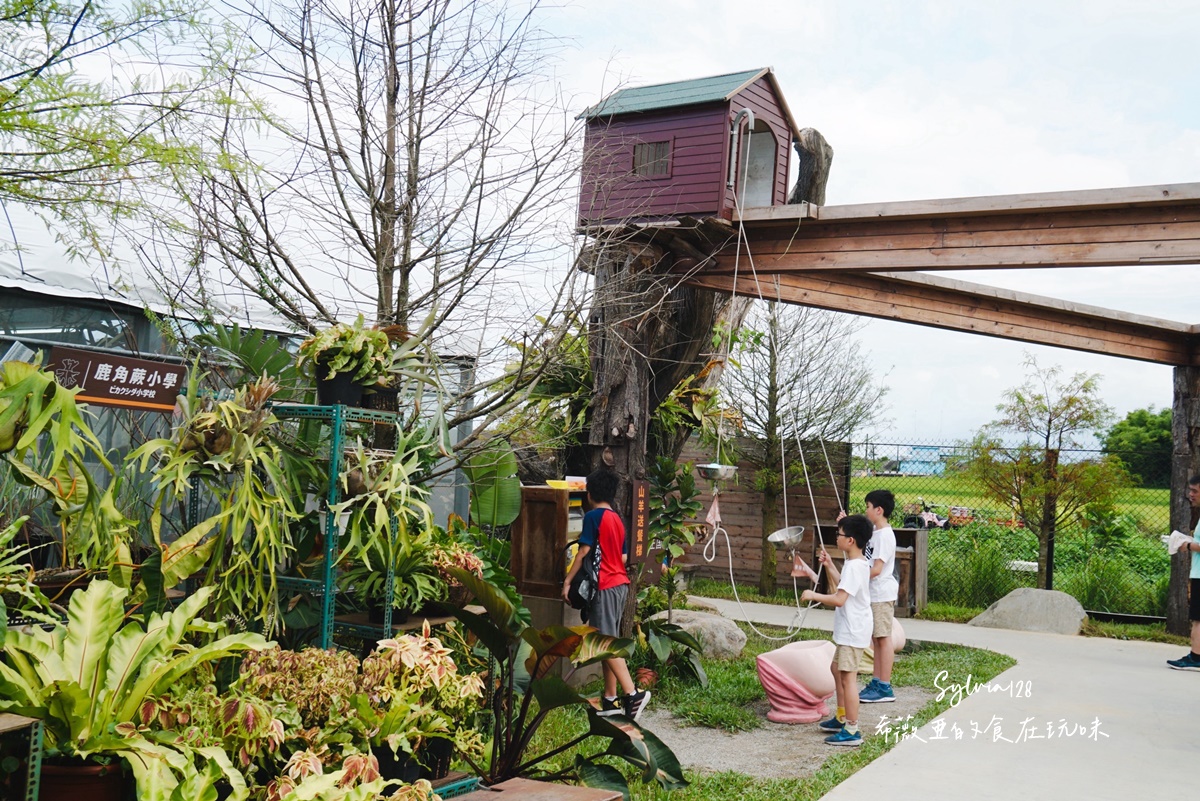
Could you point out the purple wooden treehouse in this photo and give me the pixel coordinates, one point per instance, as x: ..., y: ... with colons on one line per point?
x: 654, y: 153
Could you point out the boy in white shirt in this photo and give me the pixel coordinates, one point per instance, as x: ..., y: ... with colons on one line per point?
x: 851, y: 625
x: 881, y: 554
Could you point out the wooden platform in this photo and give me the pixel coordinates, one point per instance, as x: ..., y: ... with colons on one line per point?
x: 526, y: 790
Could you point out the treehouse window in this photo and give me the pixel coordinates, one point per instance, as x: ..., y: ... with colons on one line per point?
x: 652, y: 159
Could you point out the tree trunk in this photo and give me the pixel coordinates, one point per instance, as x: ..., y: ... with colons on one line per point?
x: 1185, y: 462
x: 766, y: 575
x: 1049, y: 519
x: 815, y: 158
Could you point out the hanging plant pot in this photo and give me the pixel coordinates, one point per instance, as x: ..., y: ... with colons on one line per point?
x: 76, y: 779
x: 341, y: 389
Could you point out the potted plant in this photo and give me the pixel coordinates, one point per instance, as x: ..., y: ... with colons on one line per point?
x: 418, y: 704
x: 447, y: 554
x: 526, y: 659
x: 415, y: 579
x: 228, y: 448
x: 343, y: 359
x: 86, y: 682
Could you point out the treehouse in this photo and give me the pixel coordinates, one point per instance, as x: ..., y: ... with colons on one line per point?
x: 697, y: 148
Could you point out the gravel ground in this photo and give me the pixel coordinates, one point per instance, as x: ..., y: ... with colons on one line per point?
x: 774, y: 751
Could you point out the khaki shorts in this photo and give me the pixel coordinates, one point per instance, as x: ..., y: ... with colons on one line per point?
x: 883, y: 612
x: 846, y: 658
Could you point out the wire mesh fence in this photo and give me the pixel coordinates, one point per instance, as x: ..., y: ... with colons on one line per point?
x: 986, y: 519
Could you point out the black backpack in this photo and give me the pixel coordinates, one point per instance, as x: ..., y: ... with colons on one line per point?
x: 586, y: 582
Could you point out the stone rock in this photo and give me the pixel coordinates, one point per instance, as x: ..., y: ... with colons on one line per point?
x: 720, y: 638
x: 702, y: 604
x: 1028, y: 609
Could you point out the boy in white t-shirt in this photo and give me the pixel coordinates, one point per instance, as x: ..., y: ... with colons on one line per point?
x: 881, y: 554
x: 851, y: 625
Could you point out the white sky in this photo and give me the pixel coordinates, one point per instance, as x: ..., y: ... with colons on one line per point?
x: 947, y: 99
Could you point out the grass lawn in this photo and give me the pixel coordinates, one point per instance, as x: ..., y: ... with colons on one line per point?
x: 1150, y: 506
x: 734, y: 684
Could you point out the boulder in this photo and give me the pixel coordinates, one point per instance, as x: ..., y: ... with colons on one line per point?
x: 1028, y: 609
x: 702, y: 604
x: 720, y: 638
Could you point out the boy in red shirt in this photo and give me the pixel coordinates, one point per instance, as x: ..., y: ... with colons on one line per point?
x: 602, y: 528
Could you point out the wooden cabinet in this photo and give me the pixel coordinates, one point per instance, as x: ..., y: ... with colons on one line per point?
x: 539, y: 542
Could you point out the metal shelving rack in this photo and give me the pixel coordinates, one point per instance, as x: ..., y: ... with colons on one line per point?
x: 337, y: 418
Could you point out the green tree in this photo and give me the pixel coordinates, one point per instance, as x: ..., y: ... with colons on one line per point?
x: 1142, y: 441
x: 81, y: 117
x: 799, y: 375
x: 1051, y: 411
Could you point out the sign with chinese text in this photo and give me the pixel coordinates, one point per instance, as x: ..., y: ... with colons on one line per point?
x: 640, y: 549
x: 106, y: 379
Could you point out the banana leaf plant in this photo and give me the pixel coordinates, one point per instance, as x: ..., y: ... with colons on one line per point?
x: 40, y: 416
x: 87, y: 680
x: 495, y: 487
x: 526, y: 689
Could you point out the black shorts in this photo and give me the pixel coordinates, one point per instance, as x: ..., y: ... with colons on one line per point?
x: 1194, y: 599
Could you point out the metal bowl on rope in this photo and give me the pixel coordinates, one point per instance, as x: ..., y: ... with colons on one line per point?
x: 786, y: 538
x: 714, y: 471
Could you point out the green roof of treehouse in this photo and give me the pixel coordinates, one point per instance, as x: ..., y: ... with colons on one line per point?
x: 670, y: 95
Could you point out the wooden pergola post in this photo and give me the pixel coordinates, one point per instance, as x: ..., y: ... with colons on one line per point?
x: 1185, y: 462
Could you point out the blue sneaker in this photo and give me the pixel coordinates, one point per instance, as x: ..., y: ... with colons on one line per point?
x: 844, y: 737
x: 833, y: 724
x: 879, y: 693
x: 1188, y: 662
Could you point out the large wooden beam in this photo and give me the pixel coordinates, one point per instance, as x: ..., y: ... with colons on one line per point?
x: 974, y: 308
x: 1112, y: 227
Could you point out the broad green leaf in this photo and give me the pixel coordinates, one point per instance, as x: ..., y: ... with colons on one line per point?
x: 549, y: 645
x: 495, y: 488
x: 629, y: 743
x: 188, y: 554
x: 597, y: 647
x: 93, y: 617
x: 552, y: 692
x: 659, y: 644
x: 668, y: 772
x: 483, y: 628
x: 594, y: 774
x: 499, y: 608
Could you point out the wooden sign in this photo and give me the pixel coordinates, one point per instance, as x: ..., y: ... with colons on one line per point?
x: 640, y: 550
x: 106, y: 379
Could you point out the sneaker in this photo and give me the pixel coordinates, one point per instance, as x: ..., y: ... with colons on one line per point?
x: 833, y: 724
x: 634, y: 704
x: 879, y: 694
x: 610, y: 707
x: 1188, y: 662
x: 844, y: 737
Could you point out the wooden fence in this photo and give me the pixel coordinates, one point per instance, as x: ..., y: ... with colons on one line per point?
x: 741, y: 511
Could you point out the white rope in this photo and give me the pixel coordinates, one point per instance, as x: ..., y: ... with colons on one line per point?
x: 709, y: 550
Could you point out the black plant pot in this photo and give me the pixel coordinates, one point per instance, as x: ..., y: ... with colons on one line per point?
x: 401, y: 768
x: 342, y: 388
x: 375, y: 614
x: 70, y: 780
x: 434, y: 757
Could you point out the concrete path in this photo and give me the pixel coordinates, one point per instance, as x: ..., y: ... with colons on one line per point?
x: 1136, y: 723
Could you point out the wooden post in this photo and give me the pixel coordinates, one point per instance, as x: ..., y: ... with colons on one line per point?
x: 1185, y: 462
